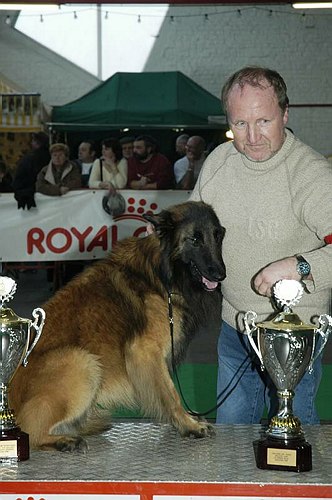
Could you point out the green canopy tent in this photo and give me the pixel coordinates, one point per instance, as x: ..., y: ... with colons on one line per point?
x: 141, y: 100
x: 162, y: 104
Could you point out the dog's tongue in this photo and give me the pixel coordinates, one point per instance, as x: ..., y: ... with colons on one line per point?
x: 210, y: 285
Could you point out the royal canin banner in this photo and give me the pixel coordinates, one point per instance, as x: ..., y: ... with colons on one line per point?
x: 74, y: 226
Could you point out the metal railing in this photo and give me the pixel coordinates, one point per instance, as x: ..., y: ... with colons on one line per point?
x: 20, y: 111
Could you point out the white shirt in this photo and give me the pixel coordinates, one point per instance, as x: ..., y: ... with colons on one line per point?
x: 86, y: 167
x: 181, y: 167
x: 118, y: 177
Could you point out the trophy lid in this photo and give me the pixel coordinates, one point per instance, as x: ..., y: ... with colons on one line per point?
x: 287, y: 293
x: 7, y: 315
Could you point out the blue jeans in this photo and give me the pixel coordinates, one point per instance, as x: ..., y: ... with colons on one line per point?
x: 245, y: 390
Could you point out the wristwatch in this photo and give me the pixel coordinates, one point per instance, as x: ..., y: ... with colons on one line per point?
x: 302, y: 266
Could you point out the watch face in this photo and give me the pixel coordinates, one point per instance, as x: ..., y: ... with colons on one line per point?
x: 303, y: 268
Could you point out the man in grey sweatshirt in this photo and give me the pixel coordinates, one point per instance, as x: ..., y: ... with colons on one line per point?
x: 272, y: 193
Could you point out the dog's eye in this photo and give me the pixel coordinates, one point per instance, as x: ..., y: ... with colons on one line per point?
x: 196, y: 239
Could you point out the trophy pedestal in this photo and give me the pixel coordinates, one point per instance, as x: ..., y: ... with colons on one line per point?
x: 277, y: 454
x: 14, y: 445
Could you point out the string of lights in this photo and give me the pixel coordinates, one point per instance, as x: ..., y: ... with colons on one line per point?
x: 172, y: 17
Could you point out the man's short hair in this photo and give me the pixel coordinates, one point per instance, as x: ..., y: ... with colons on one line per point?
x: 92, y: 144
x: 149, y: 141
x: 183, y: 138
x: 126, y: 140
x: 254, y: 76
x: 199, y: 141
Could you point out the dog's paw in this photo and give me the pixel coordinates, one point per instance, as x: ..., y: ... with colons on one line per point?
x: 201, y: 430
x: 72, y: 444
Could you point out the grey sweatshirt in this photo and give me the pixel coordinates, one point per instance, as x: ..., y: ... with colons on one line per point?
x: 271, y: 210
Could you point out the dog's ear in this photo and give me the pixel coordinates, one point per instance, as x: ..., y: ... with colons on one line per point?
x: 160, y: 223
x: 150, y: 218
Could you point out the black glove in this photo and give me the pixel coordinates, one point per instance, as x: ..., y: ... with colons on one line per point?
x: 25, y: 200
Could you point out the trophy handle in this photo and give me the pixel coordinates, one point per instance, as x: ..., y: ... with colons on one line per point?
x: 249, y: 319
x: 326, y: 323
x: 39, y: 315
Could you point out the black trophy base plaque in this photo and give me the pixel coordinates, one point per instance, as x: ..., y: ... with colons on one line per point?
x: 14, y: 445
x: 276, y: 454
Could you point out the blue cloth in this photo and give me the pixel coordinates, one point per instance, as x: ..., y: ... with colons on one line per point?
x: 245, y: 390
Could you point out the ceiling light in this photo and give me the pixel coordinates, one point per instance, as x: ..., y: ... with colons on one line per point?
x: 314, y: 5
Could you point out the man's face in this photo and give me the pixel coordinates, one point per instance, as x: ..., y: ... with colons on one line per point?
x: 180, y: 147
x: 84, y: 153
x: 194, y: 149
x: 141, y: 152
x: 127, y: 150
x: 256, y: 120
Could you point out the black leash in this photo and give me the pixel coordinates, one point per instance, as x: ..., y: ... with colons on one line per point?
x: 226, y: 392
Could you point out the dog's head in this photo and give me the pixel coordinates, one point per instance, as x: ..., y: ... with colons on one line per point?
x: 191, y: 245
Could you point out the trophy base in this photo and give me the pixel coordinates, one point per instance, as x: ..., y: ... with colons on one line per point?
x: 14, y: 445
x: 277, y: 454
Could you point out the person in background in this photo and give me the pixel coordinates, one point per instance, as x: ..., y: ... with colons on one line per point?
x: 60, y: 175
x: 86, y: 157
x: 28, y: 168
x: 148, y: 169
x: 110, y: 171
x: 127, y: 146
x: 180, y: 145
x: 187, y: 169
x: 6, y: 181
x: 272, y: 193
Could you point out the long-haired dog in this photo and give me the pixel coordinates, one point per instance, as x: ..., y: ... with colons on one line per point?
x: 106, y: 341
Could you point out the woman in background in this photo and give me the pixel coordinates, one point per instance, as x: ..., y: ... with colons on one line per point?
x: 111, y: 170
x: 61, y: 175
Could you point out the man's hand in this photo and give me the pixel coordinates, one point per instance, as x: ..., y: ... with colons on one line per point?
x: 64, y: 190
x: 269, y: 275
x: 191, y: 157
x: 143, y: 182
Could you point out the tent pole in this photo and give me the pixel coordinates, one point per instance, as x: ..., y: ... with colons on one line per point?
x: 99, y: 44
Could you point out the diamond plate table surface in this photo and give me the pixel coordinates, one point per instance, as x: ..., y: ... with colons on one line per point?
x: 140, y: 451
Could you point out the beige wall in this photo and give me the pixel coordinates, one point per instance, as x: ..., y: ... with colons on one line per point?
x: 209, y: 49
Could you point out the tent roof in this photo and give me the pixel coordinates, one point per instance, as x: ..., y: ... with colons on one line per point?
x: 150, y: 99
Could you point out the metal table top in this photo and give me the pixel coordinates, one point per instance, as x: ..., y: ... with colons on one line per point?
x: 144, y: 451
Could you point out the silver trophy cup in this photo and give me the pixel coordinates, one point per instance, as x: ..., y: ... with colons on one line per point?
x: 18, y: 337
x: 286, y: 348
